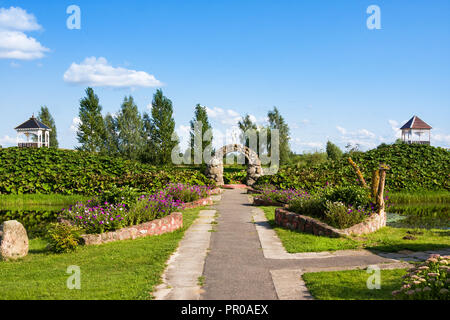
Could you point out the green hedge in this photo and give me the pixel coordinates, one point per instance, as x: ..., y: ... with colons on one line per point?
x: 413, y: 167
x: 46, y: 171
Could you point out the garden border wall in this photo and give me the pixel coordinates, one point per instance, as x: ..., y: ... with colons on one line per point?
x: 169, y: 223
x: 295, y: 221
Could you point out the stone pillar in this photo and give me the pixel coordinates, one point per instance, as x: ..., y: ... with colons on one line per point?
x: 13, y: 240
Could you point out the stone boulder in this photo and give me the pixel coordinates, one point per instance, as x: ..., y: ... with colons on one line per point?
x: 13, y: 240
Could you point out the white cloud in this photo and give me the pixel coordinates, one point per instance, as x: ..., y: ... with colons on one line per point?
x: 341, y: 130
x: 441, y: 138
x: 10, y: 141
x: 395, y: 126
x: 96, y: 72
x: 16, y: 18
x: 227, y: 117
x: 75, y: 123
x: 14, y: 43
x: 310, y: 145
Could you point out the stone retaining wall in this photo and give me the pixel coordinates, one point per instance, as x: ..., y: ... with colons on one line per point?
x: 295, y: 221
x: 199, y: 203
x: 267, y: 203
x: 166, y: 224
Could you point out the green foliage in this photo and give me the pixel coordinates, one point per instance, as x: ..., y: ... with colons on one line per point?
x: 413, y: 167
x: 124, y: 195
x: 63, y: 238
x: 46, y: 171
x: 91, y: 130
x: 130, y: 128
x: 350, y: 195
x: 308, y: 159
x: 200, y: 119
x: 46, y: 118
x: 237, y: 177
x: 333, y: 151
x: 314, y: 206
x: 111, y: 136
x: 276, y: 121
x: 427, y: 281
x: 160, y: 131
x: 338, y: 215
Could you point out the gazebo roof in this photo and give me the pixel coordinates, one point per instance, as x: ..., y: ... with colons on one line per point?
x: 416, y: 123
x: 32, y: 124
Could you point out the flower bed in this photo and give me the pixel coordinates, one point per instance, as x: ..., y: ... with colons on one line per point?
x: 274, y: 197
x: 427, y: 281
x: 302, y: 223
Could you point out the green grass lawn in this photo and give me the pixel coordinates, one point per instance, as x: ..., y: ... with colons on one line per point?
x: 120, y: 270
x: 386, y: 239
x: 8, y: 201
x: 352, y: 285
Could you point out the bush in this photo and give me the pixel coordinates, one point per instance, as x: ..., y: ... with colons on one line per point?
x: 281, y: 196
x: 124, y: 195
x: 428, y: 281
x: 46, y: 171
x: 62, y: 237
x: 341, y: 216
x: 413, y: 167
x: 97, y: 219
x: 152, y: 207
x: 355, y: 196
x: 314, y: 206
x: 185, y: 193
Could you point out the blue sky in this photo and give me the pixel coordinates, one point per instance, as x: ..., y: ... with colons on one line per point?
x: 329, y: 75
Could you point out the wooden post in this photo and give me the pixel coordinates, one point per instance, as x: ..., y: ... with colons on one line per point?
x: 380, y: 196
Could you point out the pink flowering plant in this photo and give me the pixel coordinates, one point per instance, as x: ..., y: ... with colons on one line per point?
x: 97, y: 219
x: 281, y: 196
x: 427, y: 281
x: 152, y: 207
x: 186, y: 193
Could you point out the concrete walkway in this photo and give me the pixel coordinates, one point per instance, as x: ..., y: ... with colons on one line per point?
x: 242, y: 258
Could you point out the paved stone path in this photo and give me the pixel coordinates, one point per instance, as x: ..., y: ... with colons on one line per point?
x: 242, y: 258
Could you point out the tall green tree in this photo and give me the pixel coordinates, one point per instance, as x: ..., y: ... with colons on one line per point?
x: 91, y: 130
x: 111, y: 135
x: 130, y: 128
x: 276, y: 121
x: 160, y: 129
x: 201, y: 117
x: 46, y: 118
x: 333, y: 151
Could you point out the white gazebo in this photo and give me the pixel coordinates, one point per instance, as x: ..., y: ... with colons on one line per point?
x: 416, y: 131
x: 33, y: 127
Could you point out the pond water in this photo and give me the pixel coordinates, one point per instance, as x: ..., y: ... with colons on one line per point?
x: 396, y: 220
x: 34, y: 220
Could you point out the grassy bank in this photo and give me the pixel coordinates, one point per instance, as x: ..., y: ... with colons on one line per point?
x: 38, y: 200
x: 352, y: 285
x: 121, y: 270
x: 386, y: 239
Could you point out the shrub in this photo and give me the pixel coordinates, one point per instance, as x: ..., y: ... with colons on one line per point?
x: 341, y: 216
x: 186, y: 193
x: 427, y: 281
x: 313, y: 206
x: 62, y: 237
x: 152, y: 207
x: 124, y: 195
x: 97, y: 219
x: 46, y: 171
x: 351, y: 195
x: 413, y: 167
x: 281, y: 196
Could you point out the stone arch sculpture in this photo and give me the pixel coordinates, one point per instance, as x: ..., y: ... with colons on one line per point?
x: 214, y: 168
